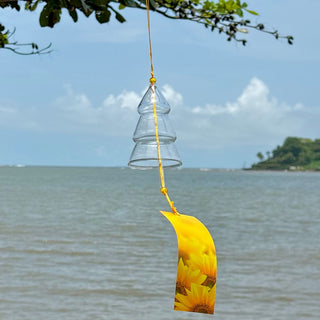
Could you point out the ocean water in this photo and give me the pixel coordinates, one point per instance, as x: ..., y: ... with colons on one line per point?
x: 90, y: 243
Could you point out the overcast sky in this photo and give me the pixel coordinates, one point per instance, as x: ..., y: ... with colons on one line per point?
x: 77, y: 105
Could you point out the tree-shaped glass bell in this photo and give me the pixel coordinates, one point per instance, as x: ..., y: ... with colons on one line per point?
x: 145, y: 152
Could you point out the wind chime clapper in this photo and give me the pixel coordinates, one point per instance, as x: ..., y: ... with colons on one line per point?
x: 145, y: 152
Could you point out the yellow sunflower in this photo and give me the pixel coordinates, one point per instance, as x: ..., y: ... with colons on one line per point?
x: 199, y: 299
x: 207, y: 264
x: 187, y: 276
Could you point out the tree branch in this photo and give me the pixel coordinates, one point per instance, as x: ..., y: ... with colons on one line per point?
x: 34, y: 47
x: 223, y: 16
x: 224, y: 23
x: 15, y: 46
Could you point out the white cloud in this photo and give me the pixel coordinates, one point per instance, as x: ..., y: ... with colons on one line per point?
x: 255, y: 118
x: 173, y: 97
x: 255, y: 98
x: 125, y: 100
x: 12, y: 117
x: 113, y: 117
x: 116, y: 116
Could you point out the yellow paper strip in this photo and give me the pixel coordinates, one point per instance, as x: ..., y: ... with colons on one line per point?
x: 197, y: 265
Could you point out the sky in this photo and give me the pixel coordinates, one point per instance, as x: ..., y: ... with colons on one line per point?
x: 77, y: 106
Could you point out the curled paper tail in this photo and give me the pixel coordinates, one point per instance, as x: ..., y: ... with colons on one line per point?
x: 197, y: 265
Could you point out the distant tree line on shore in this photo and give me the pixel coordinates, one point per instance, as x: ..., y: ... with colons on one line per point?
x: 294, y: 154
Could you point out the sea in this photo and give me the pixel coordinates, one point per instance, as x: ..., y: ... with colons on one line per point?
x: 90, y: 243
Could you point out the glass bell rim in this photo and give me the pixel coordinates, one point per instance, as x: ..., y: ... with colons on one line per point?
x: 175, y: 163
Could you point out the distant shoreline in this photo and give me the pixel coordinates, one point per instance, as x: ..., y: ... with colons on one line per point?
x: 296, y: 154
x: 282, y: 170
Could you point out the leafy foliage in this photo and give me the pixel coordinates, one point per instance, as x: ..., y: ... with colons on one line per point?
x: 223, y: 16
x: 260, y: 156
x: 295, y: 153
x: 16, y: 47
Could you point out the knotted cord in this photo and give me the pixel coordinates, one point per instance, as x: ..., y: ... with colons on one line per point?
x: 163, y: 189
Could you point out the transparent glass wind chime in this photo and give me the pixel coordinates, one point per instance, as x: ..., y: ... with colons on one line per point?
x: 154, y: 139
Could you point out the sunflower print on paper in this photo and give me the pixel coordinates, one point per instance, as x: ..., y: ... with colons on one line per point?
x: 186, y: 276
x: 197, y: 265
x: 207, y: 264
x: 199, y: 299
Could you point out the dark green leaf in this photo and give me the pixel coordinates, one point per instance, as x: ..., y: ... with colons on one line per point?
x: 12, y: 4
x: 85, y: 9
x: 260, y: 26
x: 34, y: 46
x: 103, y: 16
x: 153, y: 4
x: 120, y: 18
x: 129, y: 3
x: 34, y: 6
x: 44, y: 17
x: 99, y: 3
x: 73, y: 14
x: 49, y: 16
x: 54, y: 17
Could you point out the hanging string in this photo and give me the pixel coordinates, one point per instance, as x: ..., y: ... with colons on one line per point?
x: 152, y: 80
x: 163, y: 189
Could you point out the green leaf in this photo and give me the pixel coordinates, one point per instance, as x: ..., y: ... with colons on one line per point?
x: 121, y: 6
x: 73, y: 14
x: 85, y: 9
x: 34, y: 6
x: 99, y: 3
x: 54, y: 17
x: 129, y: 3
x: 44, y: 17
x: 3, y: 40
x: 49, y: 16
x: 120, y: 18
x: 244, y: 5
x: 103, y: 16
x: 231, y: 6
x: 239, y: 12
x: 10, y: 3
x: 153, y: 4
x: 252, y: 12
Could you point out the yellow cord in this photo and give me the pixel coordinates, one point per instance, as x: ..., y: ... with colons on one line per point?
x: 150, y: 49
x: 163, y: 189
